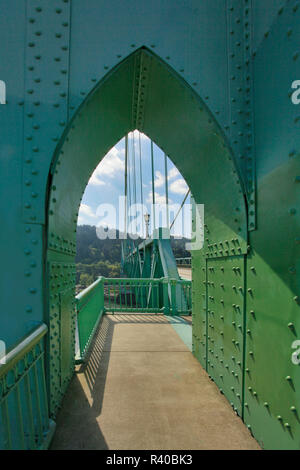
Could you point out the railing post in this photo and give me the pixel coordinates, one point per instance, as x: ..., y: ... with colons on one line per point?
x: 25, y: 422
x: 165, y: 288
x: 173, y: 283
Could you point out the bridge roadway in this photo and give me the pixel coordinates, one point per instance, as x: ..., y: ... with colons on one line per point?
x: 185, y: 272
x: 142, y: 389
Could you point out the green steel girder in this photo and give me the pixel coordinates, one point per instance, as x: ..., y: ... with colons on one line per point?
x: 225, y: 328
x: 272, y: 390
x: 61, y: 357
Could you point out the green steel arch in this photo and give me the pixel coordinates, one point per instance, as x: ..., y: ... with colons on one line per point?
x: 217, y: 96
x: 142, y: 92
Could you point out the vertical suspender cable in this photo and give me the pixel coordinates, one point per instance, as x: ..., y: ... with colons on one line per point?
x: 129, y: 185
x: 167, y: 190
x: 181, y: 206
x: 141, y: 181
x: 134, y: 174
x: 125, y: 187
x: 153, y: 192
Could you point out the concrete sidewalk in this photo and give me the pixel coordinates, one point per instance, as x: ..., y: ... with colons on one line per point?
x: 143, y: 389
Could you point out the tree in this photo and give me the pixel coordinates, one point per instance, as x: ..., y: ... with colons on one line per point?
x: 85, y: 279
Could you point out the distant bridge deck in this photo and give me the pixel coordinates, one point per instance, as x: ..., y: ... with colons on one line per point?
x: 141, y: 388
x: 185, y: 272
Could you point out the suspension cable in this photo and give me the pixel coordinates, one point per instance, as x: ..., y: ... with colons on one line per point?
x: 167, y: 190
x: 153, y: 192
x: 129, y: 185
x: 125, y: 187
x: 134, y: 172
x: 182, y: 204
x: 141, y: 180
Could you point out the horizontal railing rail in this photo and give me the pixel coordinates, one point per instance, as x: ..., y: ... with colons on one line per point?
x: 147, y: 295
x: 24, y: 417
x: 184, y: 261
x: 127, y: 295
x: 132, y: 295
x: 89, y: 307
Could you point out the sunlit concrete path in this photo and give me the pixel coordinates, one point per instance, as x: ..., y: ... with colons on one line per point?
x: 143, y: 389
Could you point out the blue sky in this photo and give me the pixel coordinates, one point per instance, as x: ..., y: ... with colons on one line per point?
x: 101, y: 204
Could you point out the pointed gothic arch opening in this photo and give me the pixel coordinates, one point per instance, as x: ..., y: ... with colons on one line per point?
x: 142, y: 93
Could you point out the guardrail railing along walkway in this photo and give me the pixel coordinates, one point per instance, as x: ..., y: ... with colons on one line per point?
x: 124, y: 295
x: 24, y: 417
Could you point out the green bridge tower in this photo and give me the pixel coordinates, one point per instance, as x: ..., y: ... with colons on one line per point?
x: 216, y: 85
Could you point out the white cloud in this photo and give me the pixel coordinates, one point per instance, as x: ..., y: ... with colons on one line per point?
x: 159, y: 179
x: 136, y: 134
x: 85, y: 214
x: 95, y: 181
x: 159, y: 198
x: 85, y: 209
x: 179, y: 186
x: 111, y: 164
x: 173, y: 173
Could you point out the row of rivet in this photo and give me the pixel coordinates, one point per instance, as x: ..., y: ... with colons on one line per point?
x: 38, y: 82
